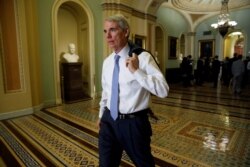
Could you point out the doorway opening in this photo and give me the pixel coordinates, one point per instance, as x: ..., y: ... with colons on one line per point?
x: 72, y: 22
x: 234, y: 43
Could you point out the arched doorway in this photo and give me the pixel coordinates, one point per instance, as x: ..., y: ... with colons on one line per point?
x: 233, y: 43
x: 238, y: 47
x: 72, y: 22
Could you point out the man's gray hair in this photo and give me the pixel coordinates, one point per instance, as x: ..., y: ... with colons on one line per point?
x: 121, y: 20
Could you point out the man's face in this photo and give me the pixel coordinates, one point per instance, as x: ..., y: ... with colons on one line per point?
x: 72, y: 49
x: 115, y: 36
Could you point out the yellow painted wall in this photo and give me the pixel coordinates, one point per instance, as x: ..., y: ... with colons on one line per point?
x: 29, y: 96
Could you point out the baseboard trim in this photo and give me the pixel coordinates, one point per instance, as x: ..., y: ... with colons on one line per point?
x: 17, y: 113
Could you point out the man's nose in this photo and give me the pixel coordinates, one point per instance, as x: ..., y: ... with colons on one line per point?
x: 108, y: 35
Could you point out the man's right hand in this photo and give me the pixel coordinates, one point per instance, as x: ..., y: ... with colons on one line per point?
x: 132, y: 63
x: 98, y: 123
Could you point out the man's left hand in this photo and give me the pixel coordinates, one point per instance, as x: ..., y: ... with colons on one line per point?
x: 132, y: 63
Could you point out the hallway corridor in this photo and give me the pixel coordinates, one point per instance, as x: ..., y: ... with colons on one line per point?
x: 197, y: 126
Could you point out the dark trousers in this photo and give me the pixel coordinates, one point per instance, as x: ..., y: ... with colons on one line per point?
x: 132, y: 135
x: 215, y: 79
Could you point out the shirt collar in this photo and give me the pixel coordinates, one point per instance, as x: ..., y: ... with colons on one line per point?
x: 124, y: 52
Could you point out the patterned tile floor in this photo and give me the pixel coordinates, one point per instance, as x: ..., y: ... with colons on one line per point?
x: 197, y: 126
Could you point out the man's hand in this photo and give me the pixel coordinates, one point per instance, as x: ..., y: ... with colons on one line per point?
x: 132, y: 63
x: 98, y: 123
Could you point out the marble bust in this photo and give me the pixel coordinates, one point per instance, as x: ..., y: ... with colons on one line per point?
x: 71, y: 57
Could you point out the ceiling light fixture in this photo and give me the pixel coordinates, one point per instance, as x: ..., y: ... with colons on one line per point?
x: 236, y: 33
x: 224, y: 22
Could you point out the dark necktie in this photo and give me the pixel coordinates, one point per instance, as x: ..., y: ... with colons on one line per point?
x: 114, y: 106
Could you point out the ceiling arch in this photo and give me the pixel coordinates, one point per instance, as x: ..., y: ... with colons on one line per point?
x: 205, y: 6
x: 196, y: 11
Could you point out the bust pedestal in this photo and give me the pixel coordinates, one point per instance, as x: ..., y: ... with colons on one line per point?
x: 72, y: 83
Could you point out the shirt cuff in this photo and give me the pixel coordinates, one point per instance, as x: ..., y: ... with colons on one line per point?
x: 101, y: 112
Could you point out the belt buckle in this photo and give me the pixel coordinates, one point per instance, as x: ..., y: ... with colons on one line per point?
x: 122, y: 116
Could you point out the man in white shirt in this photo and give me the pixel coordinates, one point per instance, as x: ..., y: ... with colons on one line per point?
x: 238, y: 69
x: 139, y: 77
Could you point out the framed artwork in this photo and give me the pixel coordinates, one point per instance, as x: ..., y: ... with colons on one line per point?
x: 140, y: 41
x: 172, y: 47
x: 206, y: 48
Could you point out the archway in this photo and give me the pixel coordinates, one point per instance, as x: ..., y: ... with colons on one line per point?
x: 238, y: 47
x: 72, y: 22
x: 233, y: 43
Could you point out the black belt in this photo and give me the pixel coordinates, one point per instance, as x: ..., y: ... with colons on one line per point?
x: 132, y: 115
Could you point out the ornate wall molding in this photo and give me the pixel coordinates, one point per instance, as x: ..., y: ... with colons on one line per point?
x: 12, y: 56
x: 127, y: 9
x: 191, y: 33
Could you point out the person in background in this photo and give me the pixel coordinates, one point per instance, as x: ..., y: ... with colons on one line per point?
x: 207, y: 69
x: 124, y: 122
x: 226, y: 72
x: 245, y: 75
x: 238, y: 69
x: 248, y: 74
x: 186, y: 71
x: 200, y: 71
x: 190, y: 69
x: 215, y: 70
x: 231, y: 60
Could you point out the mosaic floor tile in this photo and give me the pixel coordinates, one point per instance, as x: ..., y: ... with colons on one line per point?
x: 197, y: 126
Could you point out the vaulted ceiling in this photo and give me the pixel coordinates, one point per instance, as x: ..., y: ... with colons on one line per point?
x: 194, y: 10
x: 205, y: 6
x: 197, y: 10
x: 189, y: 6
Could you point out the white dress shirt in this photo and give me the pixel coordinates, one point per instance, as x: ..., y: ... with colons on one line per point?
x: 135, y: 88
x: 238, y: 68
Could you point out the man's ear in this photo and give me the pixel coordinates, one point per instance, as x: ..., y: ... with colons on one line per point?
x: 127, y: 33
